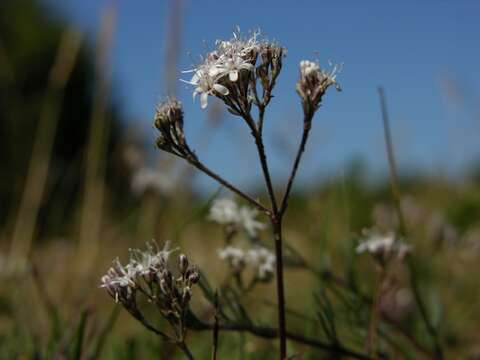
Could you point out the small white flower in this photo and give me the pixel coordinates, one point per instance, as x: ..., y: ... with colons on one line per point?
x: 119, y: 275
x: 224, y: 211
x: 223, y: 65
x: 260, y: 259
x: 384, y: 247
x: 308, y: 67
x: 151, y: 260
x: 235, y: 256
x: 246, y: 218
x: 263, y: 260
x: 232, y: 66
x: 205, y: 81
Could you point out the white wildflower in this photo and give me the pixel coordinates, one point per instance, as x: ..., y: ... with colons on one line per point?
x: 119, y: 275
x: 222, y: 66
x: 224, y: 211
x: 314, y: 82
x: 146, y: 178
x: 246, y: 219
x: 205, y: 81
x: 384, y: 247
x: 236, y: 257
x: 263, y: 260
x: 260, y: 259
x: 152, y: 260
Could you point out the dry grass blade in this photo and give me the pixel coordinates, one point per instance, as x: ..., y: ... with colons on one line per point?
x: 94, y: 188
x: 26, y: 221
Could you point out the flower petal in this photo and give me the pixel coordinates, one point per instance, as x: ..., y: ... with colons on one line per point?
x: 233, y: 75
x: 203, y: 100
x: 221, y: 89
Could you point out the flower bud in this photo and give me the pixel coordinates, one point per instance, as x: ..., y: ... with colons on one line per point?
x: 182, y: 263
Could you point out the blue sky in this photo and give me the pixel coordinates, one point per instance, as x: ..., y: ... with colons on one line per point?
x: 425, y: 53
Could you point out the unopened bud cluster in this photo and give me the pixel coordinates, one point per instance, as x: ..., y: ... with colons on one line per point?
x: 169, y: 121
x: 149, y: 275
x: 313, y: 84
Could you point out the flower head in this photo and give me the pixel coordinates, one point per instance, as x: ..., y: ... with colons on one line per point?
x: 263, y: 260
x: 314, y: 82
x: 149, y: 274
x: 258, y: 258
x: 225, y: 211
x: 221, y: 69
x: 384, y: 247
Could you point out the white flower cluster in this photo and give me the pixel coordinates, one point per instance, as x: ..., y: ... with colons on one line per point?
x: 259, y: 258
x: 225, y: 211
x: 384, y: 247
x: 223, y: 65
x: 151, y: 261
x: 314, y: 82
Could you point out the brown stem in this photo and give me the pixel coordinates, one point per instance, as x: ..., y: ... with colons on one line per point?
x: 263, y: 158
x: 307, y: 125
x: 277, y: 233
x: 185, y: 350
x: 228, y: 185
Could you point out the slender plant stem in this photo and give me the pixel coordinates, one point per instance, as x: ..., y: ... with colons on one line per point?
x: 228, y: 185
x: 276, y: 222
x: 215, y: 330
x: 185, y: 350
x: 263, y: 158
x: 403, y: 229
x: 370, y: 343
x: 282, y: 326
x: 307, y: 125
x: 271, y: 333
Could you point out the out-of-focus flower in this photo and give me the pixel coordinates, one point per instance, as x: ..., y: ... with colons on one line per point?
x: 263, y: 260
x: 260, y: 259
x: 384, y: 247
x: 236, y: 257
x: 246, y: 218
x: 146, y: 178
x: 225, y: 211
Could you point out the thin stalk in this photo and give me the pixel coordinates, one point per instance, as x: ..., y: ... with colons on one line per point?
x: 215, y: 330
x: 282, y: 326
x: 403, y: 229
x: 37, y: 175
x: 307, y: 125
x: 229, y: 186
x: 185, y: 350
x: 94, y: 186
x: 371, y: 341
